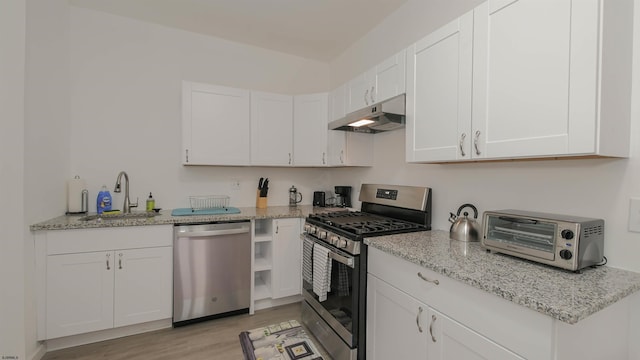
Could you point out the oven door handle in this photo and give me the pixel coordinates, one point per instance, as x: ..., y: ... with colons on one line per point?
x: 342, y: 259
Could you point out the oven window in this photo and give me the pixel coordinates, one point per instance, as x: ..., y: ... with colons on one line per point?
x: 340, y: 298
x: 536, y: 235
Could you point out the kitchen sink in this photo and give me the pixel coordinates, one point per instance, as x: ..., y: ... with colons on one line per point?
x: 138, y: 215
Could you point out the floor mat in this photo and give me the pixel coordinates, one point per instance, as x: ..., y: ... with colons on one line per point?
x: 284, y: 341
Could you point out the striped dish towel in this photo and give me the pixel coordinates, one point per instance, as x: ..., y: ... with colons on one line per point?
x: 321, y: 271
x: 307, y: 263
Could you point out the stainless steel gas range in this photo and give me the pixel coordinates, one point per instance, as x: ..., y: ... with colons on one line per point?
x: 335, y: 262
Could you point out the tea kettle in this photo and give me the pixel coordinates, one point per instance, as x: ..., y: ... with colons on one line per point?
x: 464, y: 228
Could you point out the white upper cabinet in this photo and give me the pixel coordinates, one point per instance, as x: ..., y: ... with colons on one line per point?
x: 360, y: 91
x: 390, y: 77
x: 549, y: 79
x: 271, y: 129
x: 215, y: 125
x: 310, y: 114
x: 382, y: 82
x: 439, y: 93
x: 544, y: 79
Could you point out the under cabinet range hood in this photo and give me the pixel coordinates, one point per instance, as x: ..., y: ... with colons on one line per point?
x: 384, y: 116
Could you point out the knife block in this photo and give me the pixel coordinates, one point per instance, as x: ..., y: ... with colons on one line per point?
x: 261, y: 202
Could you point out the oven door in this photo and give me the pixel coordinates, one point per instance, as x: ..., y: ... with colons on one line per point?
x: 340, y: 309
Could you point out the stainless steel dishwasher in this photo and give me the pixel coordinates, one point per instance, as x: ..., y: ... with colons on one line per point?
x: 211, y: 271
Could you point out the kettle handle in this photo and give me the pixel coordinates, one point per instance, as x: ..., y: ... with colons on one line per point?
x: 475, y: 211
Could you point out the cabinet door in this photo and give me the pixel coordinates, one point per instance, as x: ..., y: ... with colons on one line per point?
x: 286, y: 276
x: 390, y: 77
x: 310, y: 114
x: 528, y: 53
x: 452, y: 340
x: 215, y: 125
x: 143, y: 285
x: 359, y: 91
x: 439, y: 93
x: 397, y: 325
x: 79, y: 293
x: 271, y: 129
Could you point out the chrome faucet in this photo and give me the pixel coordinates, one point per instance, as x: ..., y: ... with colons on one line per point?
x: 126, y: 208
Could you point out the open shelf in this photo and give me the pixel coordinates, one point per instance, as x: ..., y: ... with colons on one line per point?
x: 262, y: 289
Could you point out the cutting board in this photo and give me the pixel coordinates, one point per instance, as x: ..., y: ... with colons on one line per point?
x: 213, y: 211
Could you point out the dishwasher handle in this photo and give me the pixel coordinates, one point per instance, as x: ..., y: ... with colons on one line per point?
x: 242, y: 230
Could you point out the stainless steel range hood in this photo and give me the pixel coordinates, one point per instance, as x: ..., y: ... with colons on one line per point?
x: 384, y: 116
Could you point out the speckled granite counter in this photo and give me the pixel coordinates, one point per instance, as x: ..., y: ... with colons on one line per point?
x: 563, y: 295
x: 68, y: 222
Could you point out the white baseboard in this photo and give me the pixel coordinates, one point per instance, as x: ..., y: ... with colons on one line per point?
x: 88, y: 338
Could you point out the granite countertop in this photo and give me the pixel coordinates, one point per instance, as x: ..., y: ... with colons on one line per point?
x: 68, y: 222
x: 563, y: 295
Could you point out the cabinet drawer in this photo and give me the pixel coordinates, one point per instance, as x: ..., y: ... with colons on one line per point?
x: 515, y: 327
x: 87, y: 240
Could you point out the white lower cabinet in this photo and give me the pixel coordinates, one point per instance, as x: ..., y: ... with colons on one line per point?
x: 418, y: 331
x: 394, y: 329
x: 98, y: 279
x: 277, y: 262
x: 427, y: 315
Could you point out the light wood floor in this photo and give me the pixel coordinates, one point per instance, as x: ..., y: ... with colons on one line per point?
x: 214, y: 339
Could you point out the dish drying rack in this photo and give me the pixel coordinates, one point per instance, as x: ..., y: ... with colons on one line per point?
x: 204, y: 202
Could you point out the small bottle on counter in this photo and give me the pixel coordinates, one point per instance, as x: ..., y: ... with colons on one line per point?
x: 103, y: 202
x: 151, y: 203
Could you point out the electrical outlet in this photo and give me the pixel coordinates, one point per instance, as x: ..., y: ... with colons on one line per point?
x: 634, y: 214
x: 235, y: 184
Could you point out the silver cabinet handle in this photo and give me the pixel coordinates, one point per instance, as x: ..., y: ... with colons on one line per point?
x: 341, y: 157
x: 120, y: 261
x: 418, y: 318
x: 433, y: 320
x: 289, y: 158
x: 366, y: 100
x: 108, y: 267
x: 462, y: 137
x: 427, y: 279
x: 373, y: 90
x: 324, y: 162
x: 475, y: 142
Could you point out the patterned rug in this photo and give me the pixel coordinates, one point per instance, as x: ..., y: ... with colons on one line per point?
x: 284, y: 341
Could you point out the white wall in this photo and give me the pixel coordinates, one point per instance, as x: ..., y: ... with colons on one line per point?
x: 12, y: 218
x: 125, y: 108
x: 47, y: 136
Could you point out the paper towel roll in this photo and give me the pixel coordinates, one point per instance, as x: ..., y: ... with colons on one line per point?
x: 74, y: 194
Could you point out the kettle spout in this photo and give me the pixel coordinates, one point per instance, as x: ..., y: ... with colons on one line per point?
x: 452, y: 217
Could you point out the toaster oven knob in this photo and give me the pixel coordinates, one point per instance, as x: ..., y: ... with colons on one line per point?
x: 566, y: 234
x: 566, y: 254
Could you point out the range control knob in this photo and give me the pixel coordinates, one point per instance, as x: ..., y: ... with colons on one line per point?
x: 566, y: 254
x: 333, y: 239
x: 322, y: 235
x: 307, y: 227
x: 566, y: 234
x: 342, y: 243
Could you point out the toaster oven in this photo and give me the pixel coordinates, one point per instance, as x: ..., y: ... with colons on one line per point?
x: 567, y: 242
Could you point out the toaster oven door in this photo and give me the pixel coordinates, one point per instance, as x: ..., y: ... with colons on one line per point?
x: 532, y: 237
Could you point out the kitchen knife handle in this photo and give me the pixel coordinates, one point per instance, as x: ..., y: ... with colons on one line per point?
x: 433, y: 320
x: 427, y: 279
x: 418, y: 318
x: 462, y: 137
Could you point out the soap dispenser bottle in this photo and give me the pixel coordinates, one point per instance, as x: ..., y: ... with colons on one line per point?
x: 151, y: 203
x: 103, y: 202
